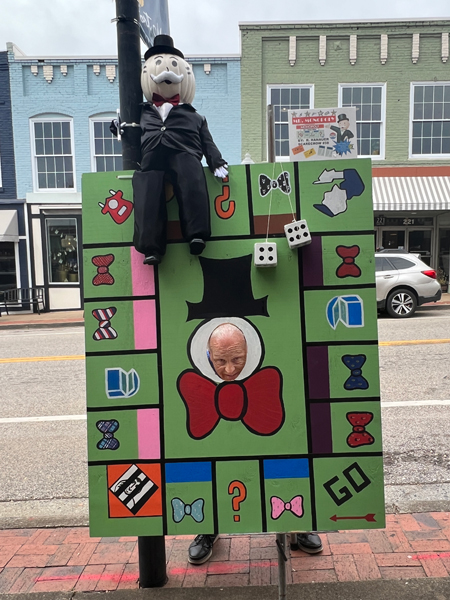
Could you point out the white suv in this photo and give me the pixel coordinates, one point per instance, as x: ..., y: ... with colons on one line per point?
x: 403, y: 283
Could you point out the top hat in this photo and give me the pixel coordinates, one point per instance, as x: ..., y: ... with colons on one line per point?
x: 342, y: 117
x: 227, y: 290
x: 163, y: 44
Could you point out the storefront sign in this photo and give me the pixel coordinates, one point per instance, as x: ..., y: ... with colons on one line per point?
x: 320, y: 134
x: 382, y: 221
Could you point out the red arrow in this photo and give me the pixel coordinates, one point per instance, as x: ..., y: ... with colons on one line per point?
x: 370, y: 518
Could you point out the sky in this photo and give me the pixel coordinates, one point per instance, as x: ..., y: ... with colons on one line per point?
x: 205, y: 27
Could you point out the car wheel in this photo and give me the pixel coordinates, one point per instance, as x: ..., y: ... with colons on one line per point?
x: 401, y: 304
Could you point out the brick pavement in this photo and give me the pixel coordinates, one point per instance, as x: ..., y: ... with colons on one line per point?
x: 66, y: 559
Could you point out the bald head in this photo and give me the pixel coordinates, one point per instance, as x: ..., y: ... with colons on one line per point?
x: 228, y: 351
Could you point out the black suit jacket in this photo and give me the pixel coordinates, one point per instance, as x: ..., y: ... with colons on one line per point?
x: 184, y: 129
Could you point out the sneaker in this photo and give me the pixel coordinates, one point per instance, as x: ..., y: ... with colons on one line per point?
x: 308, y: 542
x: 201, y: 549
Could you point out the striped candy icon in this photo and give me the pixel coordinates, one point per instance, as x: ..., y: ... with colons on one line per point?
x: 104, y: 316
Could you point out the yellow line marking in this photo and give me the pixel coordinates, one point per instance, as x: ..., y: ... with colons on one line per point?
x: 413, y: 342
x: 41, y: 358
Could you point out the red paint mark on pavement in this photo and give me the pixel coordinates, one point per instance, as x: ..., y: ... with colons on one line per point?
x: 224, y: 568
x: 433, y: 556
x: 89, y: 576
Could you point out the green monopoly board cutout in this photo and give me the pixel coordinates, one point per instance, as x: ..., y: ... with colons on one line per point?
x: 292, y: 444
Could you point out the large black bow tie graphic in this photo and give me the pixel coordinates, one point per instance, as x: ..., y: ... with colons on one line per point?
x: 281, y: 182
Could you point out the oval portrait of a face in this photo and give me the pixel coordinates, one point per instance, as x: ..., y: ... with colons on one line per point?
x: 223, y: 355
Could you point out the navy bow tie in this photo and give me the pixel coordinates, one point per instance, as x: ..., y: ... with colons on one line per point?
x: 355, y: 363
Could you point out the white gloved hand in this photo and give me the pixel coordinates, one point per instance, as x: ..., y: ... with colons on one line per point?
x: 221, y: 172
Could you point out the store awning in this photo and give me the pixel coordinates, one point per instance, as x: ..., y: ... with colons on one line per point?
x: 411, y: 193
x: 9, y: 226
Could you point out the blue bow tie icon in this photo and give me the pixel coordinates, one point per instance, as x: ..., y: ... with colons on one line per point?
x: 180, y: 509
x: 356, y: 381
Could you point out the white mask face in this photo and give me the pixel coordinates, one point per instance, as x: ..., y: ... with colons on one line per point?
x: 168, y: 75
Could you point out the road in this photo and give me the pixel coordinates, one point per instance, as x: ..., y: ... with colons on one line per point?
x: 43, y: 480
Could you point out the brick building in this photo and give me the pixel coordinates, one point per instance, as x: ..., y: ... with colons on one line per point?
x: 13, y: 247
x: 61, y: 110
x: 397, y: 74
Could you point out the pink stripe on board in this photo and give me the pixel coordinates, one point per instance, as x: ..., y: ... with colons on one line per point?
x: 144, y: 312
x: 142, y: 276
x: 148, y: 433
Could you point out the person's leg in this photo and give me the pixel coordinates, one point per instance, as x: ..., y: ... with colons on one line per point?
x: 308, y: 542
x: 150, y: 213
x: 201, y: 549
x: 188, y: 178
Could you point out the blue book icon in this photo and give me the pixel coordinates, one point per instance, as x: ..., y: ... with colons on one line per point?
x: 348, y: 310
x: 120, y: 384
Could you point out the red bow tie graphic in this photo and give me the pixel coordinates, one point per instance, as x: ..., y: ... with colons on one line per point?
x: 256, y: 402
x: 102, y: 263
x: 359, y: 437
x: 159, y: 100
x: 348, y: 267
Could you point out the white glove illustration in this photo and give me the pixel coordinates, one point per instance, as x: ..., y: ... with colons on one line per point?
x: 221, y: 172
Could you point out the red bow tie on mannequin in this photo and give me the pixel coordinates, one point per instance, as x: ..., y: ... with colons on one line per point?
x: 159, y: 100
x: 348, y: 268
x: 256, y: 402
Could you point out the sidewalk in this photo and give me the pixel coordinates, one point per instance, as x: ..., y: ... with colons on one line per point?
x: 25, y: 320
x: 67, y: 559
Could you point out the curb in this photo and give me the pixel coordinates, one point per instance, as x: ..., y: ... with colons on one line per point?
x: 423, y: 589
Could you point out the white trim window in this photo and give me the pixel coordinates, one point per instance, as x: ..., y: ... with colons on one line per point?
x: 53, y: 161
x: 1, y: 184
x: 430, y: 120
x: 284, y: 98
x: 106, y: 150
x: 370, y: 102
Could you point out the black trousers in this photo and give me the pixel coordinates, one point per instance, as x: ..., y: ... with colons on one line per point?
x: 186, y: 174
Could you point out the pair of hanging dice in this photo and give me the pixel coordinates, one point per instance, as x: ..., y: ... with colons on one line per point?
x: 297, y: 234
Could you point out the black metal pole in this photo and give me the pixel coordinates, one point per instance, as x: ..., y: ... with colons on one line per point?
x: 152, y: 550
x: 130, y: 92
x: 152, y: 561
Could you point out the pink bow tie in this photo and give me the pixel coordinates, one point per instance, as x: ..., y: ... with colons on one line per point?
x: 295, y: 506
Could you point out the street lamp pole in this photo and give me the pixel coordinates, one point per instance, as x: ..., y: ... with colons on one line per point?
x: 152, y: 551
x: 130, y: 93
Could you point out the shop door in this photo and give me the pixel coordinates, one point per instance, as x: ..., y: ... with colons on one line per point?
x: 393, y: 239
x: 419, y: 241
x: 410, y: 239
x: 8, y: 278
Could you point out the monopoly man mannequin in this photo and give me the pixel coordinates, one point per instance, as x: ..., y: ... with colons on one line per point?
x: 174, y: 139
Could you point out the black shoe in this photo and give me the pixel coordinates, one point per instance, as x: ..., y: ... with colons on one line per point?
x: 308, y: 542
x: 201, y: 549
x: 197, y: 245
x: 152, y: 259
